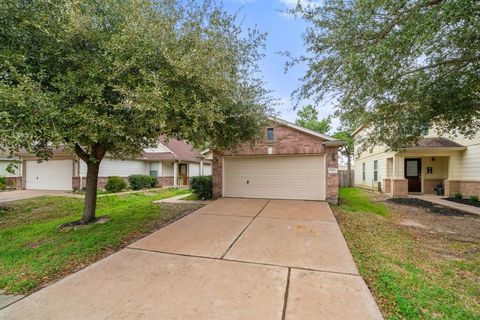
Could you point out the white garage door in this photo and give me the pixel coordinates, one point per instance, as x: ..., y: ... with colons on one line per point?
x: 275, y: 177
x: 49, y: 175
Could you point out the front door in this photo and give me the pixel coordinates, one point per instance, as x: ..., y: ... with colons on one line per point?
x: 413, y: 173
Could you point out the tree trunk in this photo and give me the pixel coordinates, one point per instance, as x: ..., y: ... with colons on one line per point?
x: 349, y: 169
x: 88, y: 215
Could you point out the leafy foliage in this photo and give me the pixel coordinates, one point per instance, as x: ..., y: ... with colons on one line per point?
x: 308, y: 117
x: 138, y: 181
x: 395, y: 65
x: 3, y: 183
x: 202, y: 186
x: 112, y: 76
x: 115, y: 184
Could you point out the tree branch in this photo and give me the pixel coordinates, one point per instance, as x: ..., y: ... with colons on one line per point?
x: 81, y: 153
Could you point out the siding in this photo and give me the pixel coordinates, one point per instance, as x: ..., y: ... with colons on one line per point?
x: 121, y: 168
x: 167, y: 169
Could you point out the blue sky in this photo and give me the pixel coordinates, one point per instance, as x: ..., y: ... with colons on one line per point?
x: 284, y: 33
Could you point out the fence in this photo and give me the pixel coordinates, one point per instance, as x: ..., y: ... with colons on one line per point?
x: 343, y: 177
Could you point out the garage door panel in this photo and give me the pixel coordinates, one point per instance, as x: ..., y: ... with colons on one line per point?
x: 49, y: 175
x: 281, y: 177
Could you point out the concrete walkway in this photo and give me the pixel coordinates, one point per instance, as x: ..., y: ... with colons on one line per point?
x: 450, y: 204
x: 232, y: 259
x: 9, y: 196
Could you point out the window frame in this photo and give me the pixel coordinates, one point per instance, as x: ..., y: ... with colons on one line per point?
x: 375, y: 170
x: 363, y: 172
x: 272, y: 130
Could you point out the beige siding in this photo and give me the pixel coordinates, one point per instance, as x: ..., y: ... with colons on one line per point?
x: 121, y: 168
x: 275, y: 177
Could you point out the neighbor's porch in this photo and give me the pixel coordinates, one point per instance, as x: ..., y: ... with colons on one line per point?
x: 420, y: 172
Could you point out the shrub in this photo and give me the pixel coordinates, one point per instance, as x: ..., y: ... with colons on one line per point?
x: 458, y: 195
x: 3, y: 183
x: 115, y: 184
x: 138, y: 181
x: 474, y: 198
x: 202, y: 186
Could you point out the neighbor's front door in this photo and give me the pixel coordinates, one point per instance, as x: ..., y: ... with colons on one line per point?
x: 413, y: 173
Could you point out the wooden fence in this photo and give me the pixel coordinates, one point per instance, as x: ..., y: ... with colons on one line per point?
x: 343, y: 177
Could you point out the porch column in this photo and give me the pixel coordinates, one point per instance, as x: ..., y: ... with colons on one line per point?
x: 175, y: 174
x: 201, y: 167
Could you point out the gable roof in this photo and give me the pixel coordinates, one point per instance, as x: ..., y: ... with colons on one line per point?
x: 179, y: 150
x: 304, y: 130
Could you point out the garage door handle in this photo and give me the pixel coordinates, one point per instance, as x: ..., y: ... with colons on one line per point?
x: 248, y: 181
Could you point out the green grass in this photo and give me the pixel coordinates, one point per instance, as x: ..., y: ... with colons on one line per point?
x: 357, y: 200
x: 33, y: 251
x: 403, y: 267
x: 192, y: 197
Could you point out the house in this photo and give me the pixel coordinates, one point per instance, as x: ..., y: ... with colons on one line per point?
x: 451, y: 161
x: 290, y: 162
x: 173, y: 162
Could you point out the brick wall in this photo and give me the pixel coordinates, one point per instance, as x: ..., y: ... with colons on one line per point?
x: 399, y: 187
x: 331, y: 157
x: 465, y: 187
x: 165, y: 181
x: 387, y: 185
x: 429, y: 185
x: 14, y: 182
x: 286, y: 141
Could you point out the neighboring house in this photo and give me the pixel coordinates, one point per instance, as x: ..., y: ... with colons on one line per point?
x: 291, y: 162
x: 173, y: 162
x: 450, y: 161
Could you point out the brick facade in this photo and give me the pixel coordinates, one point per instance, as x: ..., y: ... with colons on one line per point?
x: 465, y: 187
x: 399, y: 187
x: 102, y: 181
x: 14, y: 182
x: 287, y: 141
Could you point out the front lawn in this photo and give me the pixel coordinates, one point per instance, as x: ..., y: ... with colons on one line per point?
x: 419, y: 264
x: 34, y: 252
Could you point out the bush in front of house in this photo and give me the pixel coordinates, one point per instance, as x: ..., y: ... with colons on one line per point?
x: 202, y: 186
x: 458, y: 195
x: 138, y: 181
x: 3, y: 183
x: 473, y: 198
x: 115, y: 184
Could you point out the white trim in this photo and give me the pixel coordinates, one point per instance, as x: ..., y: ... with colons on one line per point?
x: 167, y: 149
x: 303, y: 129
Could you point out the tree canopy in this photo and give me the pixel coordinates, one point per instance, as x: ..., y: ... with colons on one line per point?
x: 111, y: 76
x: 395, y: 65
x: 308, y: 117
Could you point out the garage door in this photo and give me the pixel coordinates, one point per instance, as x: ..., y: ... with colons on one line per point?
x: 49, y: 175
x: 275, y: 177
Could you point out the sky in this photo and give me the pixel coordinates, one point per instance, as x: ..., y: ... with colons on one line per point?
x: 284, y: 33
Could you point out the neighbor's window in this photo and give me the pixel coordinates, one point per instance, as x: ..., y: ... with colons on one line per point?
x: 363, y: 171
x: 154, y: 169
x: 375, y: 170
x: 270, y: 134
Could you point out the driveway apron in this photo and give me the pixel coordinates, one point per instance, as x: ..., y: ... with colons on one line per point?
x: 232, y: 259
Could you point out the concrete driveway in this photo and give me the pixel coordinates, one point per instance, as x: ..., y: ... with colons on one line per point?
x: 233, y: 259
x: 8, y: 196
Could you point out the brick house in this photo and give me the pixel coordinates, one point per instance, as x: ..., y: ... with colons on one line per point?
x: 291, y: 162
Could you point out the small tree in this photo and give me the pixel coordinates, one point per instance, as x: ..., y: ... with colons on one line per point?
x: 308, y: 117
x: 347, y: 150
x: 104, y: 77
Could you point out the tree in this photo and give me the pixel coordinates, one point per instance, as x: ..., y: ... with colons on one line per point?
x: 112, y: 76
x: 395, y: 65
x: 308, y: 117
x: 347, y: 149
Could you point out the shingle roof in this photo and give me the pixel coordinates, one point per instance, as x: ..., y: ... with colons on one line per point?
x: 439, y: 142
x: 181, y: 150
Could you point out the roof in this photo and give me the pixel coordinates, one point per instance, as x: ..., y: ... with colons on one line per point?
x: 439, y: 142
x: 305, y: 130
x: 180, y: 150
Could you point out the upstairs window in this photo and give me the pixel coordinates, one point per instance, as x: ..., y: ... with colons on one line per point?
x: 270, y: 135
x: 375, y: 170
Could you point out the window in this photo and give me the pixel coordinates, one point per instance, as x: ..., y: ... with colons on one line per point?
x: 375, y: 170
x: 270, y: 134
x: 154, y: 169
x: 363, y: 171
x: 425, y: 130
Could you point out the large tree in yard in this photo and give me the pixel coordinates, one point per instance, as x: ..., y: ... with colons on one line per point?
x: 111, y: 76
x: 395, y: 66
x: 307, y: 117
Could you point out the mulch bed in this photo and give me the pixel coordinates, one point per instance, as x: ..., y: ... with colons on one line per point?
x: 431, y: 207
x: 464, y: 201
